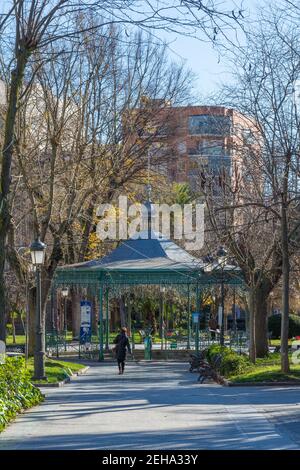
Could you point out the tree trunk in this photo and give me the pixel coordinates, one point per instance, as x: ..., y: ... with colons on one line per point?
x: 284, y: 349
x: 23, y: 324
x: 258, y: 318
x: 2, y: 296
x: 6, y: 161
x: 252, y: 346
x: 260, y: 308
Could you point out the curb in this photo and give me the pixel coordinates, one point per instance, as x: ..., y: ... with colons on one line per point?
x: 62, y: 382
x: 262, y: 384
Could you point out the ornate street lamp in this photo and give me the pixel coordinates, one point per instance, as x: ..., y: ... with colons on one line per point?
x: 37, y: 251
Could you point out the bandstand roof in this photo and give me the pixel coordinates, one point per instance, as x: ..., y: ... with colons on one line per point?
x: 155, y: 260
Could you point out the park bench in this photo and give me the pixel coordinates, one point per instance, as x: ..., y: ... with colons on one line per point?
x: 210, y: 371
x: 196, y: 360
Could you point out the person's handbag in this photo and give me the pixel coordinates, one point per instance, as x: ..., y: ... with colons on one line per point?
x: 114, y: 351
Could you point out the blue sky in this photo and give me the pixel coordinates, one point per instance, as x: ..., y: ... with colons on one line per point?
x: 205, y: 59
x: 202, y: 57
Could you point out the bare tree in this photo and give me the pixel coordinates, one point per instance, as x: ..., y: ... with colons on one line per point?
x: 256, y: 211
x: 72, y: 151
x: 32, y: 26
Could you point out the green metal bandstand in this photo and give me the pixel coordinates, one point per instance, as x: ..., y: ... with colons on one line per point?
x: 143, y: 262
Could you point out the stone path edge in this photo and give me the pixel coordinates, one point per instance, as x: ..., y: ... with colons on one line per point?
x: 62, y: 382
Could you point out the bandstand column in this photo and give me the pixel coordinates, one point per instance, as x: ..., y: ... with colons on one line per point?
x: 189, y: 318
x: 107, y: 320
x: 100, y: 325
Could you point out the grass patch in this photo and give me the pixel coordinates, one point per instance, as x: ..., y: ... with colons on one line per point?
x: 267, y: 373
x: 276, y: 342
x: 20, y: 340
x: 238, y: 368
x: 56, y: 371
x: 267, y: 369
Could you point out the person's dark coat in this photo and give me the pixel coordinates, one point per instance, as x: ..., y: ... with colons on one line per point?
x: 122, y: 343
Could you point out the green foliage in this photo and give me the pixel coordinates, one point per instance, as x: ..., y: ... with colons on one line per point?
x: 16, y: 390
x: 182, y: 193
x: 274, y: 325
x: 230, y: 363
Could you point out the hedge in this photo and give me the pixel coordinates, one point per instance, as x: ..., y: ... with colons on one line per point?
x: 274, y: 326
x: 16, y: 391
x: 231, y: 363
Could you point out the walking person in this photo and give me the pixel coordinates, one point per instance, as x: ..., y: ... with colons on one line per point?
x: 122, y: 343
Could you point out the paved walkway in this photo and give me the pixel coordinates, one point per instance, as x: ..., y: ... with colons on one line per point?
x: 157, y: 406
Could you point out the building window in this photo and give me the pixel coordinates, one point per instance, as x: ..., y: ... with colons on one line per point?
x: 181, y: 146
x: 211, y: 147
x: 212, y: 167
x: 206, y: 124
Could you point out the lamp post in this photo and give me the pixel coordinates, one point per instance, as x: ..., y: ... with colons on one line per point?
x: 65, y: 293
x: 37, y: 251
x: 31, y: 272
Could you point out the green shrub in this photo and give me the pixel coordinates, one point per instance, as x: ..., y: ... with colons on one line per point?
x: 274, y: 326
x: 16, y: 390
x: 231, y: 363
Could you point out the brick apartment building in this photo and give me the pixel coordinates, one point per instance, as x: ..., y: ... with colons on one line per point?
x: 197, y: 139
x: 203, y: 135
